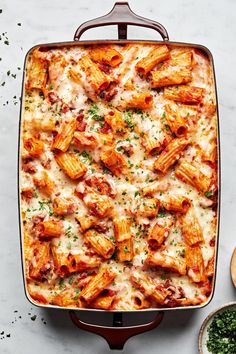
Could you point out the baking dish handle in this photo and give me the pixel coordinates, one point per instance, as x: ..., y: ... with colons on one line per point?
x: 117, y: 335
x: 121, y: 15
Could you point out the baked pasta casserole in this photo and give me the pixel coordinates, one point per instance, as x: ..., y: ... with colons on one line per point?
x: 118, y: 176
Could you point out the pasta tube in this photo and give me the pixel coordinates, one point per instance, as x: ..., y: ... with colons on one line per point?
x: 104, y: 300
x: 171, y: 153
x: 115, y: 120
x: 107, y: 56
x: 154, y: 57
x: 174, y: 264
x: 191, y: 229
x: 37, y: 73
x: 49, y: 229
x: 100, y: 281
x: 149, y: 207
x: 125, y: 250
x: 70, y: 165
x: 178, y: 204
x: 113, y: 160
x: 44, y: 183
x: 185, y: 94
x: 86, y: 221
x: 157, y: 236
x: 97, y: 79
x: 34, y: 146
x: 176, y: 123
x: 63, y: 139
x: 191, y: 175
x: 63, y: 206
x: 149, y: 288
x: 121, y: 229
x: 141, y: 101
x: 41, y: 263
x: 101, y: 244
x: 195, y: 263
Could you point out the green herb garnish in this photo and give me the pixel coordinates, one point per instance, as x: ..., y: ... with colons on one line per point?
x: 222, y: 333
x: 97, y: 118
x: 93, y: 109
x: 126, y: 249
x: 209, y: 194
x: 129, y: 121
x: 86, y: 155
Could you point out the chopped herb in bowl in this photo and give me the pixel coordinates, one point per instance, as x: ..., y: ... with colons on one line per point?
x: 222, y: 333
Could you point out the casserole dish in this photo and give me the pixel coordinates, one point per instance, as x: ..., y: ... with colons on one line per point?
x: 185, y: 114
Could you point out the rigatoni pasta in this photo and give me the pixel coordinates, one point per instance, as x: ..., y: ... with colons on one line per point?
x: 49, y: 229
x: 171, y: 154
x: 65, y: 135
x: 34, y: 146
x: 106, y: 55
x: 71, y: 165
x: 177, y: 124
x: 37, y: 74
x: 191, y: 229
x: 154, y: 57
x: 177, y: 70
x: 192, y: 175
x: 118, y: 176
x: 185, y: 94
x: 101, y: 244
x: 96, y: 285
x: 98, y: 80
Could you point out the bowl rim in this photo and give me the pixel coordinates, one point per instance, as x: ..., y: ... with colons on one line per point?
x: 206, y: 321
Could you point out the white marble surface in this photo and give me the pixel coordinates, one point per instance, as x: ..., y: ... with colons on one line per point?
x: 211, y: 23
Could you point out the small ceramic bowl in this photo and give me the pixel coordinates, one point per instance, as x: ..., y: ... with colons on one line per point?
x: 203, y: 335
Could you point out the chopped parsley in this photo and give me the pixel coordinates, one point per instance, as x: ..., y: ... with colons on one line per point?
x: 222, y: 333
x: 93, y: 109
x: 98, y: 118
x: 86, y: 155
x: 68, y: 231
x: 71, y: 280
x: 129, y: 121
x: 61, y: 284
x: 161, y: 214
x: 68, y: 246
x: 43, y: 203
x: 126, y: 249
x: 209, y: 194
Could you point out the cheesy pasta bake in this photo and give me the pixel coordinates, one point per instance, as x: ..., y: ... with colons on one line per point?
x: 118, y: 176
